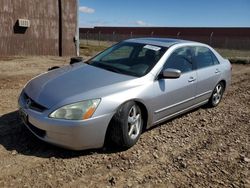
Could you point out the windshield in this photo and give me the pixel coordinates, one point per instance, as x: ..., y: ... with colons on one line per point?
x: 129, y: 58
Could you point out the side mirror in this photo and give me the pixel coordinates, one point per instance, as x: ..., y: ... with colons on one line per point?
x: 74, y: 60
x: 171, y: 73
x: 52, y: 68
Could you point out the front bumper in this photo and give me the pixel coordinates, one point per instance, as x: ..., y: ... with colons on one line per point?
x: 75, y: 135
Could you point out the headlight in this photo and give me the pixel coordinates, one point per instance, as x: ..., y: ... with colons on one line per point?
x: 77, y: 111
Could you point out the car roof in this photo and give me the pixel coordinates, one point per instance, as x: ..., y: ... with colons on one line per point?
x: 165, y: 42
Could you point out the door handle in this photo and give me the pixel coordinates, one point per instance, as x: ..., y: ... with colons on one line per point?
x: 191, y: 79
x: 217, y: 71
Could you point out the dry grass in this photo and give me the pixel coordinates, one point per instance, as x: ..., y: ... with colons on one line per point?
x: 89, y: 50
x: 240, y: 54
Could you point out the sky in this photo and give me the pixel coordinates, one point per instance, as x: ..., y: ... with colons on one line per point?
x: 164, y: 13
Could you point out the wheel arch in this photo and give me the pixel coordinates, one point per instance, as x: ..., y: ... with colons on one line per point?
x: 144, y: 113
x: 223, y: 81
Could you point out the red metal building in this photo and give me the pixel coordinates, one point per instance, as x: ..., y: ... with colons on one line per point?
x: 38, y: 27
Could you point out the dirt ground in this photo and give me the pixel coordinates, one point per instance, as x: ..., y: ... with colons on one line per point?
x: 204, y: 148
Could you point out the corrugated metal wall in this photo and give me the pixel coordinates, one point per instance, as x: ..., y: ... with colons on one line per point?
x: 43, y: 35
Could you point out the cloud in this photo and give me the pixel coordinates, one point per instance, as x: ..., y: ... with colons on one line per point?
x: 93, y: 23
x: 86, y: 10
x: 141, y: 23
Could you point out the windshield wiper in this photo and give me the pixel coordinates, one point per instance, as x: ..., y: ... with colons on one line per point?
x: 107, y: 67
x: 112, y: 69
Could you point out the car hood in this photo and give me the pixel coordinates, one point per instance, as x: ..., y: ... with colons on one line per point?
x: 74, y: 83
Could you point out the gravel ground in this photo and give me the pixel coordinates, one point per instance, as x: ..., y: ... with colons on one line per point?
x: 203, y: 148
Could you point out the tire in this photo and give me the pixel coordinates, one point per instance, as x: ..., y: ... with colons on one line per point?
x: 217, y: 94
x: 126, y: 125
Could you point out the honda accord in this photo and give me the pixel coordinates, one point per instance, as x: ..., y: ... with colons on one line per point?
x: 122, y: 91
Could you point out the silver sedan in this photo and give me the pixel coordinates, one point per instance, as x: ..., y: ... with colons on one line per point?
x: 122, y: 91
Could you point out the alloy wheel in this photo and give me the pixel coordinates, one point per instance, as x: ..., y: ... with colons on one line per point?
x: 217, y: 95
x: 134, y: 122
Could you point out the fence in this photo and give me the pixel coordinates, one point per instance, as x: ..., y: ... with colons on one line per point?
x: 226, y: 42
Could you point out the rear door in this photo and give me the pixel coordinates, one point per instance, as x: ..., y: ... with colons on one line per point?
x: 208, y: 72
x: 175, y: 95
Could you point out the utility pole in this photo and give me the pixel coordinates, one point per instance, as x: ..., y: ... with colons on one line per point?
x: 77, y: 40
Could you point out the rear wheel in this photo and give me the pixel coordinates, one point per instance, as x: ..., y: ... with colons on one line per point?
x: 216, y: 95
x: 126, y: 125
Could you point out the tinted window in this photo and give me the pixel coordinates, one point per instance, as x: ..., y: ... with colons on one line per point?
x: 134, y: 59
x: 215, y: 60
x: 181, y: 59
x: 120, y: 53
x: 203, y: 57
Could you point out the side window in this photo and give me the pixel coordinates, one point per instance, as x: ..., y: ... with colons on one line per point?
x: 120, y: 53
x: 181, y: 59
x: 204, y: 57
x: 215, y: 60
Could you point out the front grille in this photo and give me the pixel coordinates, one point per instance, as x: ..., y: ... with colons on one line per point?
x: 30, y: 103
x: 39, y: 132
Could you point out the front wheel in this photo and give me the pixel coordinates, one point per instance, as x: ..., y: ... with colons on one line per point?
x: 126, y: 125
x: 217, y: 94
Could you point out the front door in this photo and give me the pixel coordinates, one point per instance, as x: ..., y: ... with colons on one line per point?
x: 175, y: 95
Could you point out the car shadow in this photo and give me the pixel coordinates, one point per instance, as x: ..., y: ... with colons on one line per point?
x: 16, y: 138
